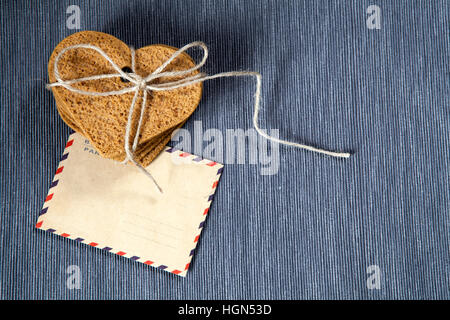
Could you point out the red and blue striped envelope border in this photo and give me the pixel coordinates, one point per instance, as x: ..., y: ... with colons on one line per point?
x: 53, y: 190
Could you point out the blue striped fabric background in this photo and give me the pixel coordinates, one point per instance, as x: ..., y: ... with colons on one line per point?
x: 309, y: 232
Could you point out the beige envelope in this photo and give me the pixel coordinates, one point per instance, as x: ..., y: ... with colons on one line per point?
x: 115, y: 207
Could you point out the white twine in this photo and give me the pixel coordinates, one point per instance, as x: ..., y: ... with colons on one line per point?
x: 142, y: 84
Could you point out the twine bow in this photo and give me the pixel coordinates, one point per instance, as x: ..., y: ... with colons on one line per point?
x: 143, y: 84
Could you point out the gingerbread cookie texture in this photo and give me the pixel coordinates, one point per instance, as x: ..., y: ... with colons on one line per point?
x: 103, y: 119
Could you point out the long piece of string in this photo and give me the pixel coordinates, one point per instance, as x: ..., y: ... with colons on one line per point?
x: 143, y: 84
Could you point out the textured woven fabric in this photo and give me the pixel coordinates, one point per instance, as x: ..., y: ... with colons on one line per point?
x: 308, y: 232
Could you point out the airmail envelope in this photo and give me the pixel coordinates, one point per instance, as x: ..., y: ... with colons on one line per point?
x: 116, y: 208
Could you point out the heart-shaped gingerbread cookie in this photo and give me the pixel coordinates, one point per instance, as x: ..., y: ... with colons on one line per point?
x: 103, y: 119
